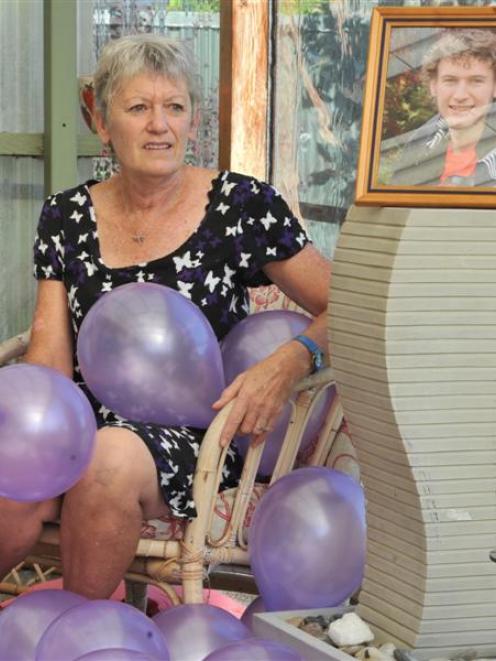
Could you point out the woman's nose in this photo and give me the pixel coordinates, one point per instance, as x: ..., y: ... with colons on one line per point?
x: 158, y: 120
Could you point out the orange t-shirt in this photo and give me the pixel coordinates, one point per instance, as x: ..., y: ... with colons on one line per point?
x: 461, y: 164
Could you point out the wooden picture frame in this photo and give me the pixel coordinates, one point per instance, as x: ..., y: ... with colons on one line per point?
x: 428, y: 134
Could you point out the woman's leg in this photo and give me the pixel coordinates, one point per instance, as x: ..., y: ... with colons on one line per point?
x: 20, y: 529
x: 102, y: 514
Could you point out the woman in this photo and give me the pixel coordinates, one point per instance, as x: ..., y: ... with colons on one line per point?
x: 209, y: 235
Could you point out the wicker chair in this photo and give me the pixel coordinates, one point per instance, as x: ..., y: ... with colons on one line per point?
x: 213, y: 546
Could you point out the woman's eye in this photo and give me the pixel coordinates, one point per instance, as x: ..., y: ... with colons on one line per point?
x: 176, y: 107
x: 139, y: 107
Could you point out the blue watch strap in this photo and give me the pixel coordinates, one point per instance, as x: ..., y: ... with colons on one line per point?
x: 315, y: 351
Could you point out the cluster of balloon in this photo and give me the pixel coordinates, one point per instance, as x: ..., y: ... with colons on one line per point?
x: 249, y: 342
x: 25, y: 620
x: 57, y: 624
x: 193, y: 631
x: 257, y: 649
x: 149, y: 354
x: 101, y: 625
x: 47, y: 432
x: 307, y: 540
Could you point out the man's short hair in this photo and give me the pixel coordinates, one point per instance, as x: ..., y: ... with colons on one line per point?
x: 458, y: 45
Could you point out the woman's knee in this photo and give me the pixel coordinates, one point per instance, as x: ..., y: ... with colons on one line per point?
x: 118, y: 465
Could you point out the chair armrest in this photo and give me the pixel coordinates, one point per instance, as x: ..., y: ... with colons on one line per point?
x: 14, y: 347
x: 197, y: 545
x: 211, y: 456
x: 321, y: 378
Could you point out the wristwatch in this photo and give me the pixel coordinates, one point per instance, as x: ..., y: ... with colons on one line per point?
x: 315, y: 351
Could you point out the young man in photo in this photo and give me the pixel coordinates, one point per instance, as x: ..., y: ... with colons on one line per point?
x: 457, y: 147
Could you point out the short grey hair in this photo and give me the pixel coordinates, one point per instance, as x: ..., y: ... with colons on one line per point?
x: 139, y: 53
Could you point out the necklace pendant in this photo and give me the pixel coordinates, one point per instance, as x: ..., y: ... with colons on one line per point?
x: 138, y: 238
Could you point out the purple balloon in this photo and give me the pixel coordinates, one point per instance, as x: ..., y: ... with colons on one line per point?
x: 307, y: 540
x: 25, y: 620
x: 255, y: 649
x: 257, y: 336
x: 47, y: 432
x: 194, y: 630
x: 118, y: 654
x: 149, y: 354
x: 256, y: 606
x: 100, y: 625
x: 249, y: 342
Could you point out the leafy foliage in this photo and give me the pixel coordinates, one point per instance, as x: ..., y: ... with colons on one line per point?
x: 407, y: 104
x: 194, y: 5
x: 334, y: 47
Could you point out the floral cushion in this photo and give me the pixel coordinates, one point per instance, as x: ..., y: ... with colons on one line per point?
x: 172, y: 528
x: 342, y: 457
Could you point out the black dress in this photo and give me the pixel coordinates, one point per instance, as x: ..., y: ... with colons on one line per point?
x: 246, y: 225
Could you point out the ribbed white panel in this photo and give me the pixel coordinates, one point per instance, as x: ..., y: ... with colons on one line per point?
x: 413, y: 343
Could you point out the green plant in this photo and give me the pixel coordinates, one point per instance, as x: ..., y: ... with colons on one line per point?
x: 407, y: 104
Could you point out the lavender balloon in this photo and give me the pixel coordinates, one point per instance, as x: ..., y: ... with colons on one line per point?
x: 118, y: 654
x: 256, y: 606
x: 149, y: 354
x: 257, y: 336
x: 24, y: 621
x: 307, y: 540
x: 255, y: 649
x: 100, y: 625
x: 194, y: 630
x: 47, y: 432
x: 249, y: 342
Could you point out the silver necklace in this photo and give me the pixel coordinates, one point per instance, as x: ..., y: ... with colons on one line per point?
x: 138, y: 238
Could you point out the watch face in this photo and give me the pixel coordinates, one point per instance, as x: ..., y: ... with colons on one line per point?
x: 318, y: 360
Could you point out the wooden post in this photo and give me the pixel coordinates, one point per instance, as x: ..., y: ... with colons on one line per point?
x: 244, y: 86
x: 61, y: 99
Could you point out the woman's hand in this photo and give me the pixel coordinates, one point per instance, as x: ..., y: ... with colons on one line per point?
x: 263, y: 390
x: 261, y: 393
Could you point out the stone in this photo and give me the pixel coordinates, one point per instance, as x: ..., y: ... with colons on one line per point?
x: 350, y: 629
x: 388, y: 650
x: 314, y: 629
x: 295, y: 621
x: 351, y: 650
x: 404, y: 655
x: 371, y: 653
x: 317, y: 619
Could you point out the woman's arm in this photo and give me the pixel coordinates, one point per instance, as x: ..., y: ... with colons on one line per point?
x: 262, y: 390
x: 51, y: 335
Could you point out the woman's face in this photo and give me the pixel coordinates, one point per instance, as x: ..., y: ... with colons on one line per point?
x: 149, y: 123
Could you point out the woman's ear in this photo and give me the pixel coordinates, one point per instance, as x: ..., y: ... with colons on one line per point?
x: 101, y: 127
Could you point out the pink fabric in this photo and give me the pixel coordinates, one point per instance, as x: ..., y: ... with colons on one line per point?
x: 212, y: 597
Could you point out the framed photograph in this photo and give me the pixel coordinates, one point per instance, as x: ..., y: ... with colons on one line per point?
x: 429, y: 114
